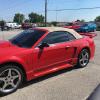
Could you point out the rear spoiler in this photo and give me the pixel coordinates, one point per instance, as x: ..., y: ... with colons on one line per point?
x: 91, y: 35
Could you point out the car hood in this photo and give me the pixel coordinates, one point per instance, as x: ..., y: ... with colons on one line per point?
x: 8, y: 49
x: 5, y: 44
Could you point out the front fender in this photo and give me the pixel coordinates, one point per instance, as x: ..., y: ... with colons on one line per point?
x: 28, y: 70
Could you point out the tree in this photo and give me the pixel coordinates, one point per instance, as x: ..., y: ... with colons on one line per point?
x: 82, y: 20
x: 40, y: 18
x: 36, y: 18
x: 2, y: 22
x: 97, y: 19
x: 19, y: 18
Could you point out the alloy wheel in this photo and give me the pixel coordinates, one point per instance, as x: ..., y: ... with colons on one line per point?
x: 84, y: 58
x: 9, y: 80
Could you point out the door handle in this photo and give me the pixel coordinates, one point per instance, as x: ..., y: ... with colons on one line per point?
x: 67, y: 47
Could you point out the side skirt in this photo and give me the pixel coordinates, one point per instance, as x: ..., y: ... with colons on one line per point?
x: 51, y: 70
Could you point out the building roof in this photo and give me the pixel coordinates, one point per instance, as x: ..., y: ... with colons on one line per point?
x: 52, y: 29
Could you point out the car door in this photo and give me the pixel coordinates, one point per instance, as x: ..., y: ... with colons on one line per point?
x: 59, y: 52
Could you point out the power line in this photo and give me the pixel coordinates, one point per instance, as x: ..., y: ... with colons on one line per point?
x: 91, y: 8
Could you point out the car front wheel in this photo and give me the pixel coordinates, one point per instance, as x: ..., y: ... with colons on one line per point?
x: 10, y: 79
x: 83, y: 58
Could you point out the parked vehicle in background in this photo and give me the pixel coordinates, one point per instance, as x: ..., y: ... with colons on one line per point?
x: 18, y: 26
x: 26, y: 26
x: 72, y: 26
x: 13, y: 26
x: 87, y: 27
x: 2, y: 25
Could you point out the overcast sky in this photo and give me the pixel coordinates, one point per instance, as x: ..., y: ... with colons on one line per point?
x: 9, y: 7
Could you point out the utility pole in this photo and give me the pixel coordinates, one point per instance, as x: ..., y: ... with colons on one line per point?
x: 56, y: 16
x: 45, y: 13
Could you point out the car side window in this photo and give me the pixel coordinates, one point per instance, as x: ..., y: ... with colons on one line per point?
x: 70, y: 36
x: 58, y: 37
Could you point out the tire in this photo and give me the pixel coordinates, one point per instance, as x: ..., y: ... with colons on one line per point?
x: 11, y: 77
x: 83, y: 58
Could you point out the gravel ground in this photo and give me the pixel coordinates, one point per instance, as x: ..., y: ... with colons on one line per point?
x: 71, y: 84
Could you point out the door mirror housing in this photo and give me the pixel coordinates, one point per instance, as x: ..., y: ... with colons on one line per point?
x: 43, y: 45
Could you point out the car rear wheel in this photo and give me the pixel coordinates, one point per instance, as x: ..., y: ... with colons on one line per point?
x: 10, y: 79
x: 83, y: 58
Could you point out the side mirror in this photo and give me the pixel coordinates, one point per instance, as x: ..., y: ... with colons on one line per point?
x: 43, y: 45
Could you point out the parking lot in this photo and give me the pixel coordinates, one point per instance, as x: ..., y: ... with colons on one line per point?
x: 70, y: 84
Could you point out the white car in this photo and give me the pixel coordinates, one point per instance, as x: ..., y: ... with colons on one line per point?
x: 13, y: 25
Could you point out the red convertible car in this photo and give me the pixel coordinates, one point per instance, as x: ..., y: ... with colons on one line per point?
x: 72, y: 26
x: 40, y: 51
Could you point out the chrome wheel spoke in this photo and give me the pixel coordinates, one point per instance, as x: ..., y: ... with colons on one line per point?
x: 86, y: 55
x: 81, y: 60
x: 4, y: 86
x: 2, y: 79
x: 85, y: 59
x: 84, y: 62
x: 82, y: 55
x: 9, y: 72
x: 15, y: 77
x: 12, y: 84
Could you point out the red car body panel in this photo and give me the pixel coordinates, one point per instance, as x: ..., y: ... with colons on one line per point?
x: 37, y: 62
x: 26, y: 26
x: 91, y: 35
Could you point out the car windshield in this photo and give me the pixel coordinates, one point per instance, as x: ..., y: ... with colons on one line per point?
x: 27, y: 38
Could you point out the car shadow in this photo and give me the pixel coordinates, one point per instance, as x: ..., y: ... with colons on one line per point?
x: 37, y: 80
